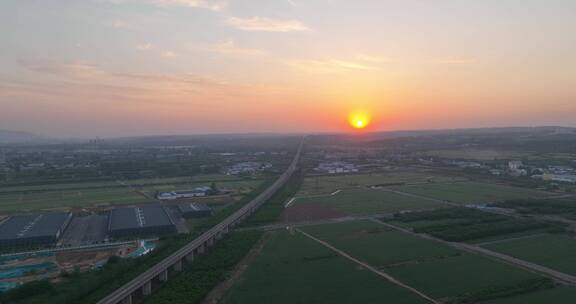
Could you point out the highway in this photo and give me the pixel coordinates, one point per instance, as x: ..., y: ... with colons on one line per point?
x: 186, y: 253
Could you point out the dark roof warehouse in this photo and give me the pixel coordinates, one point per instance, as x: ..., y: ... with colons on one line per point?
x: 140, y: 221
x: 37, y: 229
x: 192, y: 210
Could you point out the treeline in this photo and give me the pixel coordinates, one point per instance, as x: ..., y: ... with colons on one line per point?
x: 540, y: 206
x: 207, y: 271
x: 91, y: 286
x: 270, y: 212
x: 464, y: 224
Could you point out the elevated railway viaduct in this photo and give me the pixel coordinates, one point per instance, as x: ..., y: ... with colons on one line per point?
x: 142, y: 284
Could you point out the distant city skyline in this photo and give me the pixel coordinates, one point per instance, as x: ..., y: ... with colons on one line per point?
x: 145, y: 67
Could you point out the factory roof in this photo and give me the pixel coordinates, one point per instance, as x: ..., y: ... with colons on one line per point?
x: 36, y: 225
x: 139, y: 217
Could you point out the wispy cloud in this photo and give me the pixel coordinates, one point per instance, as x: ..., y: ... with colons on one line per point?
x: 264, y: 24
x: 168, y: 54
x: 232, y: 48
x: 371, y: 58
x: 331, y: 65
x: 75, y: 69
x: 143, y: 46
x: 214, y: 5
x: 453, y: 61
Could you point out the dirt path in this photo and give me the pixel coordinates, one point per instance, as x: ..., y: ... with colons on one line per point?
x: 372, y: 269
x: 216, y: 294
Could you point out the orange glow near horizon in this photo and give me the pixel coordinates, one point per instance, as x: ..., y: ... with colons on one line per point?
x: 359, y: 120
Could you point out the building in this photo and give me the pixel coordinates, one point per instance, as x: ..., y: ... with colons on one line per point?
x: 247, y: 168
x: 194, y: 210
x: 560, y: 178
x: 140, y: 221
x: 196, y: 192
x: 336, y: 167
x: 33, y: 230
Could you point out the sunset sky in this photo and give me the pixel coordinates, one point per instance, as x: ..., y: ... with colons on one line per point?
x: 136, y: 67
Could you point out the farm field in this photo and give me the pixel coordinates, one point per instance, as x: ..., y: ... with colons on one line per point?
x: 369, y: 201
x: 460, y: 224
x: 94, y: 194
x: 60, y: 200
x: 439, y: 271
x: 558, y: 295
x: 294, y: 269
x: 556, y: 251
x: 241, y: 186
x: 471, y: 192
x: 329, y: 183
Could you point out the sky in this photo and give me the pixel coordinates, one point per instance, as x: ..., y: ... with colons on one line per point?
x: 138, y: 67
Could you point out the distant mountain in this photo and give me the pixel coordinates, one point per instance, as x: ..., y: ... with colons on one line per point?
x: 18, y: 137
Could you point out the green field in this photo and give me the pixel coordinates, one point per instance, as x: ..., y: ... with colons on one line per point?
x: 550, y: 250
x: 470, y: 192
x: 558, y: 295
x: 104, y: 193
x: 369, y: 201
x: 294, y: 269
x: 329, y: 183
x: 433, y: 268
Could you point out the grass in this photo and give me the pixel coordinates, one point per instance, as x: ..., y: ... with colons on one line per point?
x: 556, y: 251
x: 471, y: 192
x: 433, y: 268
x: 369, y: 202
x: 294, y: 269
x: 330, y: 183
x: 102, y: 193
x: 65, y: 199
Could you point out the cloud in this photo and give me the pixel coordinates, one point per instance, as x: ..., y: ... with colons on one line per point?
x: 371, y: 58
x: 331, y: 65
x: 231, y: 47
x: 143, y: 46
x: 213, y: 5
x: 168, y: 54
x: 76, y: 69
x: 121, y: 25
x: 453, y: 61
x: 264, y: 24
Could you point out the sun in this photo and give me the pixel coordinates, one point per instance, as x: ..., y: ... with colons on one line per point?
x: 359, y: 120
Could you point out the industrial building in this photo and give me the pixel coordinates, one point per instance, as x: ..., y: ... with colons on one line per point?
x: 194, y: 210
x: 196, y: 192
x: 33, y: 230
x: 140, y: 221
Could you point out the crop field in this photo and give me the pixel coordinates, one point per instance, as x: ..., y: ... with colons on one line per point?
x: 241, y: 186
x: 105, y: 193
x: 476, y: 154
x: 369, y: 201
x: 55, y: 200
x: 439, y: 271
x: 331, y: 183
x: 556, y: 251
x: 460, y: 224
x: 294, y: 269
x: 558, y: 295
x: 470, y: 192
